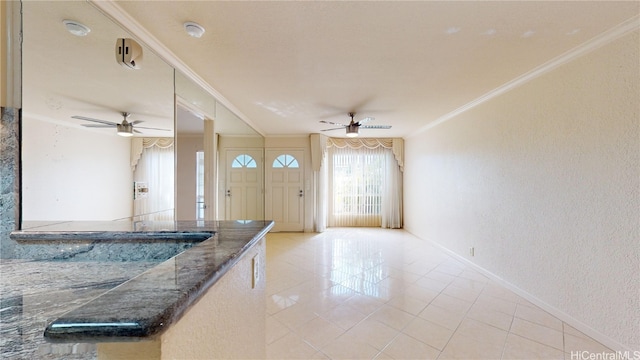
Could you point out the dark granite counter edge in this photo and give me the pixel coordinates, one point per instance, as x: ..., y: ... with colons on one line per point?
x: 69, y: 328
x: 34, y: 236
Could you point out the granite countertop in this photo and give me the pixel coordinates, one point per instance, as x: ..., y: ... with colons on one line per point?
x: 145, y: 305
x: 110, y: 230
x: 34, y: 293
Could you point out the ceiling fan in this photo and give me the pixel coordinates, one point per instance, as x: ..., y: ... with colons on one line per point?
x: 353, y: 126
x: 125, y: 128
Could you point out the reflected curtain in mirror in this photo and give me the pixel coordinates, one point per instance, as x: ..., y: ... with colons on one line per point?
x: 153, y: 194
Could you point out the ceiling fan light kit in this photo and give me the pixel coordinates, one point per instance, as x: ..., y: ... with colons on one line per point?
x: 354, y: 126
x: 352, y: 130
x: 125, y: 129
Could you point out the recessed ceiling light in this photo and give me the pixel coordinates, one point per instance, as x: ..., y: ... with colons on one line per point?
x: 193, y: 29
x: 76, y: 28
x: 528, y: 33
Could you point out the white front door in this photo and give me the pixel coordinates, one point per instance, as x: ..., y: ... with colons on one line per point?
x: 243, y: 191
x: 284, y: 198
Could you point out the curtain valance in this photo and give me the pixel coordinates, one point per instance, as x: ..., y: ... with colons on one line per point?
x: 359, y: 143
x: 138, y: 144
x: 395, y: 144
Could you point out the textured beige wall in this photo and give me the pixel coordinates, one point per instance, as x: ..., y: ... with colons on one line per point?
x: 10, y: 54
x: 129, y: 351
x: 544, y: 182
x: 6, y: 59
x: 228, y: 322
x: 3, y: 53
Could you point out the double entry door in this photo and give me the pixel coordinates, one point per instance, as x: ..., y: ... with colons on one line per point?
x: 284, y: 188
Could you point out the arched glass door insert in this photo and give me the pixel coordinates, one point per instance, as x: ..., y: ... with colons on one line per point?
x: 286, y: 161
x: 244, y: 160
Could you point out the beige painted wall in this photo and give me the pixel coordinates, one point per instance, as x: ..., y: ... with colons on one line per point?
x: 10, y: 55
x: 544, y: 182
x: 3, y: 58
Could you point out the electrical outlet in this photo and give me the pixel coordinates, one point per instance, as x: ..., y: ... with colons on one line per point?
x: 255, y: 266
x: 472, y: 251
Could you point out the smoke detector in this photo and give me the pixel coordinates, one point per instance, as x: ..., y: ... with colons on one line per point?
x: 194, y: 29
x: 76, y: 28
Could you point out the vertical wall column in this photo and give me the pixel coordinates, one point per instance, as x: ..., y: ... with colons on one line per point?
x: 210, y: 165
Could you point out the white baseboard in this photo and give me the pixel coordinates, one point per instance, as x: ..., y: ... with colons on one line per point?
x: 577, y: 324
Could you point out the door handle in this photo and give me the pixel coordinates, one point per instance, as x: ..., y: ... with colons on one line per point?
x: 229, y: 193
x: 301, y: 194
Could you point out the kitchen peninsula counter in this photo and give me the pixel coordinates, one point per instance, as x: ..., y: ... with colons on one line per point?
x: 180, y: 273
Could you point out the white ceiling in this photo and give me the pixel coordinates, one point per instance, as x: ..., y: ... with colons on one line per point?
x: 287, y: 65
x: 284, y: 66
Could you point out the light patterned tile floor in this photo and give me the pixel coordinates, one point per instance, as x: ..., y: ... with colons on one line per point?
x: 361, y: 293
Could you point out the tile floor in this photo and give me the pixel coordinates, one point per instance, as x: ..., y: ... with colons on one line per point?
x: 361, y: 293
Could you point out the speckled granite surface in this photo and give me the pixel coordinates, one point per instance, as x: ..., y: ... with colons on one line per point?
x: 108, y: 240
x: 84, y: 302
x: 33, y: 293
x: 9, y: 178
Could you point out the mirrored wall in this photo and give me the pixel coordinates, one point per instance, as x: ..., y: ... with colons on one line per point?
x: 206, y: 131
x: 78, y: 99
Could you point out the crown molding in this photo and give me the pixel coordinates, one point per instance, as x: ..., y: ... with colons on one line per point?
x: 604, y: 38
x: 112, y: 10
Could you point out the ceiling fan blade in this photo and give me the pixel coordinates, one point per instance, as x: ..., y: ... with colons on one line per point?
x: 136, y: 122
x: 150, y: 128
x: 375, y: 126
x: 137, y: 132
x: 332, y: 123
x: 97, y: 126
x: 340, y: 128
x: 367, y: 119
x: 94, y: 120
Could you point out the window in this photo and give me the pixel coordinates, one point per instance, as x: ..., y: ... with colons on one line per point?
x: 286, y: 161
x: 244, y: 161
x: 357, y: 180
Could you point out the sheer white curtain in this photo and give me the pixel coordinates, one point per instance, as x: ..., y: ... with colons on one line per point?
x: 357, y: 177
x: 365, y: 182
x: 153, y: 164
x: 323, y: 193
x: 392, y: 193
x: 320, y: 177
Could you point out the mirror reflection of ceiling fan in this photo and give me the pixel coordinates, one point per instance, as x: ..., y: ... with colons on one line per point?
x: 353, y: 126
x: 125, y: 128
